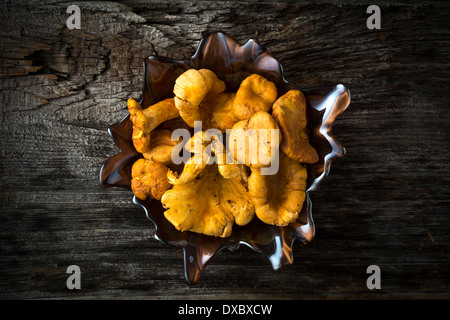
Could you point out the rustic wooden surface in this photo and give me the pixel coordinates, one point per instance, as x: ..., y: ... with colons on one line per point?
x: 386, y: 203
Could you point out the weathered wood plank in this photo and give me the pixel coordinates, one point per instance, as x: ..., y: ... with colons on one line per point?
x: 385, y: 203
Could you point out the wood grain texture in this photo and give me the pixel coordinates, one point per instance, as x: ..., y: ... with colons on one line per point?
x: 386, y: 203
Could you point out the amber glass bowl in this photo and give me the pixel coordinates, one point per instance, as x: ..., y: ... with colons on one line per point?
x: 232, y: 63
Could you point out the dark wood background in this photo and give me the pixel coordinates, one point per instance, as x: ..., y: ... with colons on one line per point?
x: 386, y: 203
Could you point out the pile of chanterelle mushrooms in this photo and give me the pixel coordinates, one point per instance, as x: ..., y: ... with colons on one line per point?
x: 210, y: 196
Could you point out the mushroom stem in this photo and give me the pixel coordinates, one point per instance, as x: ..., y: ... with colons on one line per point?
x: 161, y: 112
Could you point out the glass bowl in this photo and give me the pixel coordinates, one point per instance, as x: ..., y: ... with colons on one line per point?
x: 232, y: 63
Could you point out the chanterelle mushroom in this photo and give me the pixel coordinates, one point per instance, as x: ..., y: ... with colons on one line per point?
x: 141, y: 126
x: 255, y: 141
x: 149, y: 178
x: 202, y: 140
x: 255, y: 93
x: 192, y: 168
x: 279, y: 198
x: 290, y: 113
x: 221, y: 111
x: 206, y: 149
x: 200, y: 96
x: 161, y: 147
x: 146, y: 120
x: 209, y: 204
